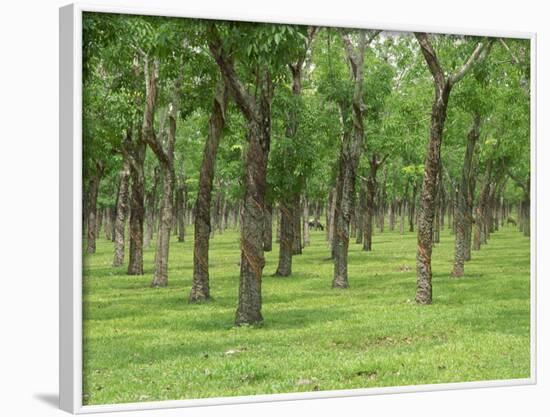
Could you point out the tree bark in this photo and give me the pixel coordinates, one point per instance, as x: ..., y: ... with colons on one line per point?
x: 443, y: 86
x: 284, y: 268
x: 165, y: 155
x: 268, y: 227
x: 463, y: 221
x: 372, y: 187
x: 122, y: 210
x: 305, y: 222
x: 151, y: 208
x: 350, y: 153
x: 200, y: 289
x: 402, y: 209
x: 181, y: 203
x: 296, y: 225
x: 361, y: 211
x: 135, y: 263
x: 412, y: 208
x: 257, y: 112
x: 95, y: 179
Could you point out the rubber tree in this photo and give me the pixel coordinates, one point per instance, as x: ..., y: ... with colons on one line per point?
x: 443, y: 85
x: 163, y: 148
x: 350, y: 153
x: 463, y: 216
x: 264, y: 49
x: 290, y: 187
x: 200, y: 290
x: 122, y: 205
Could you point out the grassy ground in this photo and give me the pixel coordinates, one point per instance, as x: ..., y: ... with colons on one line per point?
x: 143, y: 344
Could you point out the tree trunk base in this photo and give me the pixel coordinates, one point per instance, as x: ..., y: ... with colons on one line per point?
x: 340, y: 283
x: 199, y: 298
x: 457, y: 273
x: 159, y: 283
x: 280, y: 274
x: 248, y: 318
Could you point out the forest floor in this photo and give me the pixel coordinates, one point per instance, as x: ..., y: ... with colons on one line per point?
x: 144, y: 344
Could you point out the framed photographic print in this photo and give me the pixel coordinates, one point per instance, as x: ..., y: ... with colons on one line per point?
x: 273, y: 210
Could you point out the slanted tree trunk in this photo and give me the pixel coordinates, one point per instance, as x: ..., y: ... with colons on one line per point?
x: 93, y: 192
x: 443, y: 86
x: 463, y: 221
x: 290, y: 206
x: 165, y: 155
x: 200, y: 289
x: 122, y: 208
x: 257, y: 111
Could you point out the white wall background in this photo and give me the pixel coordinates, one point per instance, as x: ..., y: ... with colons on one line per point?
x: 29, y: 204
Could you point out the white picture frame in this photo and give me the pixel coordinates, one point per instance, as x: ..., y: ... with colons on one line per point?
x: 70, y: 209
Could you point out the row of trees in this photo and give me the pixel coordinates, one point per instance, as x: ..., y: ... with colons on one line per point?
x: 221, y: 124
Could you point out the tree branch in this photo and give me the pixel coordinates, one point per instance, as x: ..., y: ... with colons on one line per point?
x: 480, y: 53
x: 243, y: 99
x: 431, y: 58
x: 515, y: 60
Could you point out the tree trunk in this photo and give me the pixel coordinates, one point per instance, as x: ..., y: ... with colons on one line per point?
x: 181, y: 202
x: 369, y: 213
x: 284, y: 269
x: 463, y: 215
x: 331, y: 210
x: 107, y: 225
x: 200, y: 289
x: 442, y: 85
x: 412, y: 208
x: 268, y: 227
x: 95, y: 178
x: 99, y: 222
x: 166, y: 212
x: 151, y: 208
x: 361, y: 211
x: 426, y: 214
x: 305, y: 222
x: 253, y: 220
x: 121, y: 212
x: 392, y: 215
x: 257, y: 111
x: 402, y: 209
x: 135, y: 264
x: 278, y: 238
x: 296, y: 225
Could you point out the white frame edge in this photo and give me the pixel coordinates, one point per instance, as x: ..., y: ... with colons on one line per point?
x: 70, y: 209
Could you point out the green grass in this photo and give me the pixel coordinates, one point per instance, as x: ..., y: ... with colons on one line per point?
x: 144, y: 344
